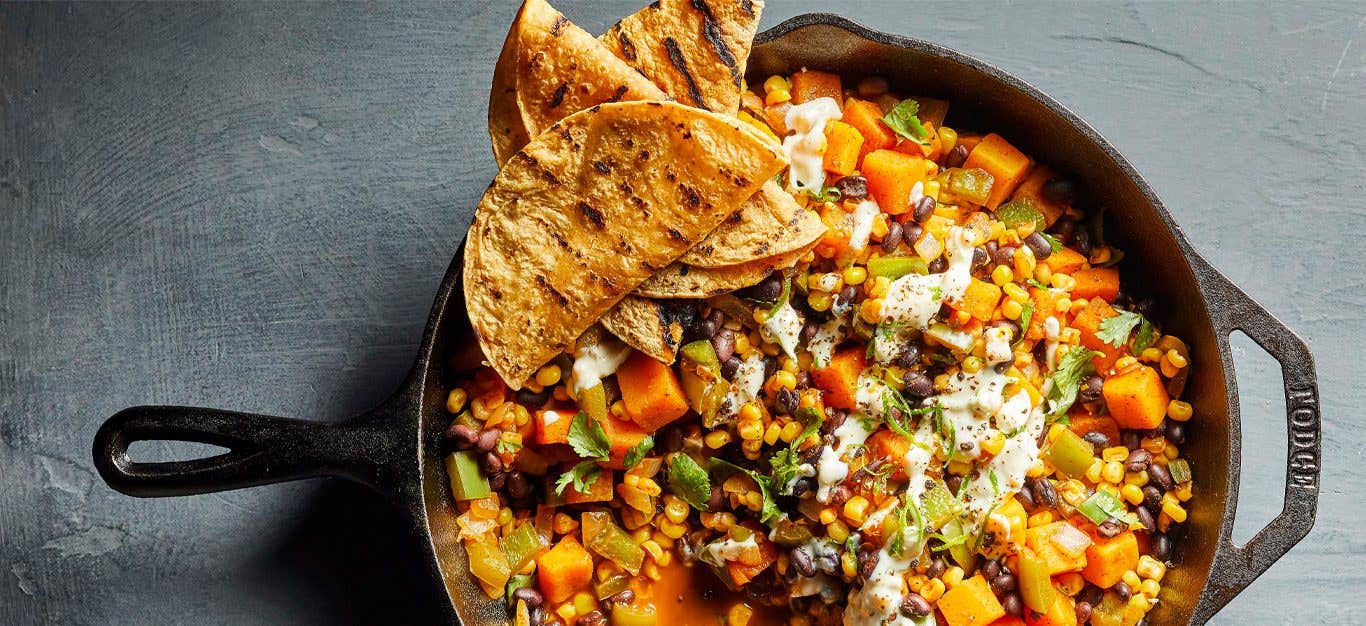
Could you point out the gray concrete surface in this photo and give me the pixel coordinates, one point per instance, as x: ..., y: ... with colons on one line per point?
x: 250, y: 205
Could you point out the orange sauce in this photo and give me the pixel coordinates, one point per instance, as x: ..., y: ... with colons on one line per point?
x: 688, y: 596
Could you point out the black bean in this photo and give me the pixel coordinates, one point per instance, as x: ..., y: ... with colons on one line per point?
x: 1060, y: 189
x: 1004, y: 255
x: 1064, y: 229
x: 893, y: 237
x: 957, y: 156
x: 492, y: 463
x: 1083, y: 612
x: 1097, y: 439
x: 991, y: 569
x: 729, y: 367
x: 537, y: 616
x: 717, y: 501
x: 840, y: 493
x: 770, y: 367
x: 1152, y: 497
x: 1145, y: 517
x: 488, y: 440
x: 1138, y: 460
x: 462, y: 436
x: 767, y: 290
x: 801, y: 560
x: 786, y: 402
x: 1082, y: 241
x: 939, y: 265
x: 1012, y: 605
x: 530, y: 596
x: 867, y: 560
x: 1091, y: 389
x: 1026, y: 497
x: 803, y: 380
x: 1091, y: 594
x: 847, y: 295
x: 1175, y: 432
x: 937, y: 568
x: 852, y: 187
x: 917, y: 385
x: 723, y: 342
x: 1162, y: 546
x: 621, y: 598
x: 911, y: 232
x: 532, y: 399
x: 1131, y: 439
x: 706, y: 329
x: 910, y: 354
x: 1044, y: 493
x: 809, y: 329
x: 1122, y: 589
x: 1039, y: 245
x: 915, y: 605
x: 1003, y: 584
x: 979, y: 257
x: 1159, y: 475
x: 924, y: 208
x: 1143, y: 622
x: 592, y: 618
x: 498, y: 481
x: 1110, y: 528
x: 803, y: 485
x: 518, y: 486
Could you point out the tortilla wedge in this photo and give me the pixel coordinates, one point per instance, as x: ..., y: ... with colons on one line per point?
x: 685, y: 281
x: 561, y: 70
x: 590, y: 209
x: 654, y: 327
x: 769, y: 224
x: 506, y: 131
x: 695, y: 50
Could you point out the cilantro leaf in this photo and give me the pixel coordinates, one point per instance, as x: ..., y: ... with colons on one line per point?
x: 638, y: 451
x: 1072, y: 370
x: 769, y: 511
x: 582, y: 476
x: 1102, y: 506
x: 1026, y: 314
x: 689, y: 481
x: 903, y: 121
x: 787, y: 462
x: 1115, y: 330
x: 826, y: 194
x: 1143, y: 339
x: 1053, y: 243
x: 588, y: 438
x: 1034, y: 282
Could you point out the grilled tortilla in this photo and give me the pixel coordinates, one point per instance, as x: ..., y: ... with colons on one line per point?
x: 695, y: 50
x: 769, y: 224
x: 590, y: 209
x: 654, y: 327
x: 685, y: 281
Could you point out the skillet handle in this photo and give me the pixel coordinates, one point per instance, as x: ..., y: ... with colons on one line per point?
x: 261, y: 450
x: 1236, y: 565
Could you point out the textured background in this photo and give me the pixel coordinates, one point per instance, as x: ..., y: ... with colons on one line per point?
x: 250, y: 205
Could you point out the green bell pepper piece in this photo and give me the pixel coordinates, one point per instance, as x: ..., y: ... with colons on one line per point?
x: 1071, y: 454
x: 467, y: 480
x: 894, y: 267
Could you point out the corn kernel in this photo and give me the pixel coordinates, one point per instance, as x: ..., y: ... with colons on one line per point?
x: 1137, y: 479
x: 1151, y: 568
x: 1002, y: 275
x: 1012, y: 310
x: 994, y: 444
x: 564, y: 524
x: 777, y: 96
x: 790, y: 432
x: 1024, y: 261
x: 1071, y: 583
x: 1150, y: 588
x: 973, y: 364
x: 455, y: 400
x: 932, y: 590
x: 772, y: 433
x: 1171, y: 451
x: 567, y: 611
x: 952, y: 577
x: 1133, y: 494
x: 1176, y: 359
x: 855, y: 509
x: 1179, y: 410
x: 1063, y: 282
x: 548, y: 375
x: 775, y: 83
x: 1174, y: 511
x: 827, y: 515
x: 1150, y: 355
x: 1131, y: 579
x: 880, y: 287
x: 1015, y: 292
x: 1115, y: 453
x: 739, y: 615
x: 855, y: 275
x: 675, y: 509
x: 651, y: 570
x: 871, y: 310
x: 818, y: 301
x: 717, y: 439
x: 751, y: 430
x: 1041, y: 518
x: 1124, y: 363
x: 1113, y: 472
x: 916, y: 582
x: 848, y: 564
x: 837, y: 530
x: 1043, y: 273
x: 1183, y: 492
x: 1093, y: 472
x: 672, y: 530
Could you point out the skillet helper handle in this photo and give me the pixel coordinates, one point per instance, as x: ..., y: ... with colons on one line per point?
x: 261, y: 450
x: 1240, y: 565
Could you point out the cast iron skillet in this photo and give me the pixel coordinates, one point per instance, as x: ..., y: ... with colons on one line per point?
x: 395, y: 448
